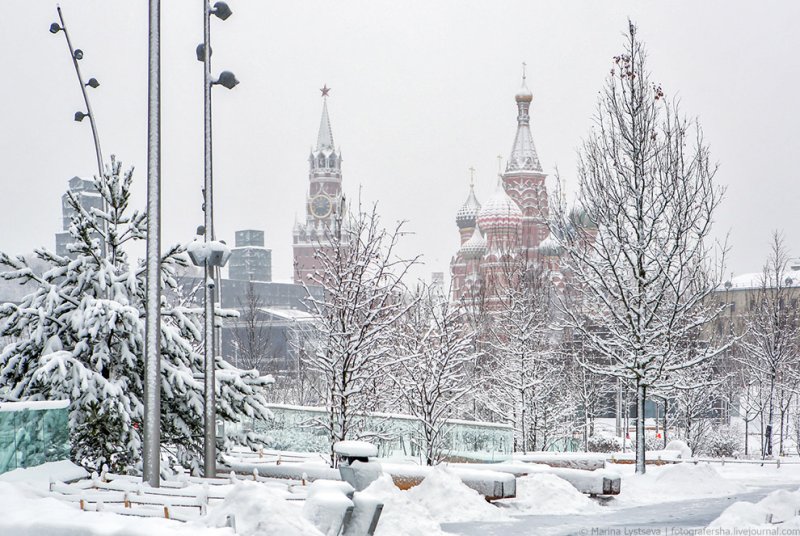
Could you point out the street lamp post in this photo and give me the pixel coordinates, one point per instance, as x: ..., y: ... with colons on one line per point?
x: 228, y: 80
x: 152, y: 365
x: 76, y: 55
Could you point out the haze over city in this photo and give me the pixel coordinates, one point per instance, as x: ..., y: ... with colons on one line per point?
x: 420, y: 93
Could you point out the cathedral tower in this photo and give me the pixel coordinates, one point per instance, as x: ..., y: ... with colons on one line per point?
x: 524, y: 180
x: 324, y: 201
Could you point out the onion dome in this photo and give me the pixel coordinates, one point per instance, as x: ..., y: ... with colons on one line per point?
x: 524, y: 94
x: 468, y: 213
x: 580, y: 219
x: 475, y: 247
x: 500, y: 212
x: 523, y: 158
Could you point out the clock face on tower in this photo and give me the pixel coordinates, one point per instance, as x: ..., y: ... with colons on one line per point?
x: 320, y: 206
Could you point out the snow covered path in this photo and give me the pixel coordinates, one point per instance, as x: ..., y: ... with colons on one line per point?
x: 677, y: 515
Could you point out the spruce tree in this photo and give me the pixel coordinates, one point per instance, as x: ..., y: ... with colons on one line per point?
x: 80, y: 336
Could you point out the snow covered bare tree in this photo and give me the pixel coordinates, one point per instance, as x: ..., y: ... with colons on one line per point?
x: 434, y: 358
x: 251, y: 333
x: 361, y: 275
x: 770, y: 344
x: 644, y: 276
x: 523, y: 363
x: 80, y: 336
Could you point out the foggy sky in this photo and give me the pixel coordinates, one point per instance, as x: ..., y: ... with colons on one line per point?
x: 421, y: 92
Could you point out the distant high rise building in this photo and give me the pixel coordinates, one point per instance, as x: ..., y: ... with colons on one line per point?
x: 324, y: 199
x: 250, y: 260
x: 88, y: 196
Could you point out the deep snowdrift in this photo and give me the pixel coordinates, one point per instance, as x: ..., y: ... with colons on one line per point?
x: 260, y: 511
x: 777, y: 507
x: 545, y: 493
x: 675, y: 482
x: 448, y: 500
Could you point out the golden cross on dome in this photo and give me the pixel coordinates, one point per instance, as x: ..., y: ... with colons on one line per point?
x: 499, y: 164
x: 523, y: 70
x: 471, y: 177
x: 325, y: 89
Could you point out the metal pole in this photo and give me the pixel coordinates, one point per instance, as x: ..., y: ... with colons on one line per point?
x: 95, y: 136
x: 209, y: 414
x: 152, y: 386
x: 89, y: 112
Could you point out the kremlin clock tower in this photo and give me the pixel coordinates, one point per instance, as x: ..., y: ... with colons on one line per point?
x: 324, y: 201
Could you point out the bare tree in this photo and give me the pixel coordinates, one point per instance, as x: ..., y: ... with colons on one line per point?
x: 251, y: 333
x: 523, y: 364
x: 636, y: 251
x: 770, y: 343
x: 362, y: 280
x: 432, y: 370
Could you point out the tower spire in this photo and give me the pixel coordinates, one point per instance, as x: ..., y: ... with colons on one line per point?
x: 325, y: 136
x: 523, y: 153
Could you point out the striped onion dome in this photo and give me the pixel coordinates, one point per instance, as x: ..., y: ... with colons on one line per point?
x: 468, y: 213
x: 500, y: 212
x: 475, y: 247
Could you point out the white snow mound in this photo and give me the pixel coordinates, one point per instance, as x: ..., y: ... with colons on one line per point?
x: 449, y: 500
x: 544, y: 493
x: 401, y: 516
x: 680, y: 446
x: 740, y: 515
x: 781, y: 505
x: 260, y: 511
x: 695, y: 480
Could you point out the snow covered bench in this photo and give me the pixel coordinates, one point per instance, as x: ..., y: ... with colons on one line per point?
x: 597, y: 482
x: 588, y: 461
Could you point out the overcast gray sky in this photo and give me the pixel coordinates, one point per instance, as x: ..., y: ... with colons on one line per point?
x: 422, y: 90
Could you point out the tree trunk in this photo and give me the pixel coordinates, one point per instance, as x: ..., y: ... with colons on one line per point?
x: 641, y: 397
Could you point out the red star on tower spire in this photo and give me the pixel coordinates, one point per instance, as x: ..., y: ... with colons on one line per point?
x: 325, y: 89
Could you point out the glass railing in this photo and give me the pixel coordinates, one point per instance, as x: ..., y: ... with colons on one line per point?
x: 302, y: 429
x: 32, y: 433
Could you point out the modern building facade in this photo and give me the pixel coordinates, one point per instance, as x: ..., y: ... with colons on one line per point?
x: 250, y: 260
x: 87, y: 195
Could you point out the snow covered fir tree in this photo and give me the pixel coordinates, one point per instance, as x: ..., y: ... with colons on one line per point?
x: 80, y: 336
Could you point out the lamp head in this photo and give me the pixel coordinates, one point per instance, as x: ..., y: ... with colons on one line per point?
x: 78, y: 54
x: 222, y: 11
x: 93, y: 83
x: 80, y: 115
x: 201, y: 50
x: 55, y: 28
x: 227, y: 80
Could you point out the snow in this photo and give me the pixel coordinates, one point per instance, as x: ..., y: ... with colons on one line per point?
x: 673, y: 482
x: 260, y: 511
x: 39, y: 477
x: 355, y: 449
x: 545, y: 493
x: 34, y: 405
x: 779, y: 506
x: 680, y: 446
x: 401, y: 515
x: 448, y: 499
x: 25, y: 512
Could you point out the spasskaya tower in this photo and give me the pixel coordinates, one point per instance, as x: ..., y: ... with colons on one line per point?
x: 323, y: 200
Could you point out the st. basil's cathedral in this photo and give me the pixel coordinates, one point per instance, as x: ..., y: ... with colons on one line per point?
x: 511, y: 224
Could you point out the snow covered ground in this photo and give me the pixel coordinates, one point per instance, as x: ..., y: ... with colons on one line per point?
x: 666, y: 500
x: 683, y: 497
